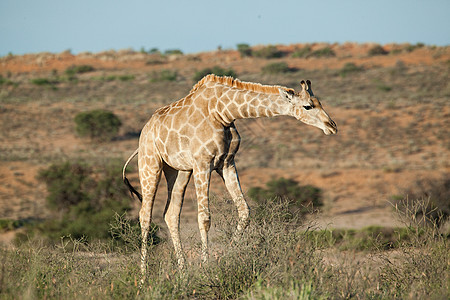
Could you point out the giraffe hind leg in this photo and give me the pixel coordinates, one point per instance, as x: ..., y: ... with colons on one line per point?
x: 202, y: 180
x: 177, y: 182
x: 149, y: 178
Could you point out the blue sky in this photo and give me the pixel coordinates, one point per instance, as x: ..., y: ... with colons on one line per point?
x: 28, y: 26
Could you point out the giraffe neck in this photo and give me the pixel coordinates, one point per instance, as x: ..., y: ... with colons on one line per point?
x: 231, y: 104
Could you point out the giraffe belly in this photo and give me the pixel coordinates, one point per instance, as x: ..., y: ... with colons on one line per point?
x: 179, y: 161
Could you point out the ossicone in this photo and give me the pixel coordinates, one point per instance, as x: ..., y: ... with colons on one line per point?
x: 303, y: 84
x: 309, y: 88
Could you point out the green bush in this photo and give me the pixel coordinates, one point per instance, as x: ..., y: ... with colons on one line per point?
x: 300, y: 198
x: 154, y: 51
x: 72, y: 70
x: 85, y: 200
x: 377, y: 50
x: 126, y: 77
x: 276, y: 68
x: 8, y: 224
x: 98, y: 125
x: 219, y: 71
x: 349, y: 68
x: 302, y: 53
x: 244, y: 50
x: 43, y: 81
x: 66, y: 184
x: 382, y: 86
x: 3, y: 80
x: 164, y: 75
x: 6, y: 81
x: 324, y: 52
x: 108, y: 78
x: 173, y: 52
x: 411, y: 48
x: 268, y: 52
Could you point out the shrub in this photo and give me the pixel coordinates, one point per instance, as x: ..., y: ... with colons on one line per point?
x: 268, y: 52
x: 244, y: 50
x: 66, y: 184
x: 43, y: 81
x: 154, y: 51
x: 156, y: 59
x: 72, y: 70
x: 126, y: 77
x: 302, y: 53
x: 276, y: 68
x: 382, y: 86
x: 219, y: 71
x: 6, y: 81
x: 85, y: 201
x: 128, y: 232
x: 411, y: 48
x: 299, y: 198
x: 108, y: 78
x: 349, y: 68
x: 8, y: 224
x: 422, y: 271
x: 428, y: 200
x: 173, y: 52
x: 164, y: 75
x: 98, y: 125
x: 324, y: 52
x: 377, y: 50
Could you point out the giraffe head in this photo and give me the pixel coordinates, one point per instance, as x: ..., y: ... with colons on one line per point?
x: 307, y: 108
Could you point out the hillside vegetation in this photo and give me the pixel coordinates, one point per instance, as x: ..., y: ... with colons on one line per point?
x: 391, y: 106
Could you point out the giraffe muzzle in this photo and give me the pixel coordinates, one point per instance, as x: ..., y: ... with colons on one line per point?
x: 330, y: 127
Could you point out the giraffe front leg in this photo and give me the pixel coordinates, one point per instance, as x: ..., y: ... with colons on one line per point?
x: 201, y: 179
x: 231, y: 179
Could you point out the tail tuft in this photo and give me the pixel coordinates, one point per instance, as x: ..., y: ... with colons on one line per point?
x: 125, y: 179
x: 132, y: 189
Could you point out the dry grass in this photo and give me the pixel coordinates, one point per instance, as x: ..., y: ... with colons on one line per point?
x: 274, y: 259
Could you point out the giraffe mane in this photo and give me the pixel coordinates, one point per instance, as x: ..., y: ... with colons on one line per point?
x: 242, y: 85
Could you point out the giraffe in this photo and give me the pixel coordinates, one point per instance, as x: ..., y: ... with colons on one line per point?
x: 196, y: 135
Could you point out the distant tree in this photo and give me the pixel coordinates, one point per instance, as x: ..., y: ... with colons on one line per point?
x: 173, y: 52
x: 244, y: 50
x: 377, y: 50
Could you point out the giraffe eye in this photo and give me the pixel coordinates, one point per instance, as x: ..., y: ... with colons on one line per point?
x: 307, y: 107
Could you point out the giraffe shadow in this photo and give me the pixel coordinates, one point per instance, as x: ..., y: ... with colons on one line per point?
x: 361, y: 209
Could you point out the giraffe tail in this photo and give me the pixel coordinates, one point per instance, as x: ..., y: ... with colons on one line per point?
x: 125, y: 179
